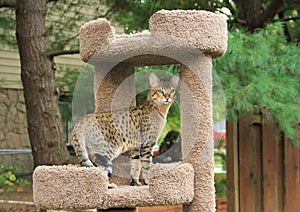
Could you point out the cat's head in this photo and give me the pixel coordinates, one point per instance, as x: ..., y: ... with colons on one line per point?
x: 163, y: 91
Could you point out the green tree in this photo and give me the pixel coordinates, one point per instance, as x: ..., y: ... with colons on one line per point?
x: 261, y: 73
x: 37, y: 75
x: 134, y: 15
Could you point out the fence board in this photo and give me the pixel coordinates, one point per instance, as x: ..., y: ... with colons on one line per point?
x: 250, y: 166
x: 263, y: 171
x: 280, y: 171
x: 292, y: 177
x: 272, y: 169
x: 232, y: 167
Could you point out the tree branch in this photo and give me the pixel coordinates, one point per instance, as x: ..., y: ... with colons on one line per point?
x: 287, y: 31
x: 67, y: 40
x: 52, y: 1
x: 8, y: 3
x: 269, y: 13
x: 63, y: 52
x: 108, y: 11
x: 287, y: 19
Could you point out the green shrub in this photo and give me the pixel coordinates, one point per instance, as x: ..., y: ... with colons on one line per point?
x: 9, y: 178
x: 220, y: 184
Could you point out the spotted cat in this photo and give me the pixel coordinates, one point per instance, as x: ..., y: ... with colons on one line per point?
x: 99, y: 138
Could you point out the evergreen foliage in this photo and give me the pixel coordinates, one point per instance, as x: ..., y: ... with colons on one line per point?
x: 7, y: 28
x: 261, y: 73
x: 64, y: 18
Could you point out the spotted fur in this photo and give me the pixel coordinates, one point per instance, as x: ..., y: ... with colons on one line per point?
x: 101, y: 137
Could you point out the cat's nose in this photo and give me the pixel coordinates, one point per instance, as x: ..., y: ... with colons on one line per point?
x: 167, y: 97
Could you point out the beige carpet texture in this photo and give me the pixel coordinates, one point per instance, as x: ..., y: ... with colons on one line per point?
x: 188, y: 38
x: 71, y: 187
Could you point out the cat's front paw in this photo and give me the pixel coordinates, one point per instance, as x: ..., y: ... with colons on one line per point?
x: 144, y: 182
x: 108, y: 171
x: 135, y: 182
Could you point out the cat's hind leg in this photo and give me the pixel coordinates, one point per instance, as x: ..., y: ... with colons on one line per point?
x: 102, y: 160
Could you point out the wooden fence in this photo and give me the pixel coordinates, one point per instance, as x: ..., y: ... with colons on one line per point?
x: 262, y: 168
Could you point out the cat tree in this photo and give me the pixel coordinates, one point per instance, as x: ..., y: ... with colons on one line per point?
x: 188, y: 38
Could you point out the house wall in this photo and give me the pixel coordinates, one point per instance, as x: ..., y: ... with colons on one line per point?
x: 13, y: 130
x: 14, y: 139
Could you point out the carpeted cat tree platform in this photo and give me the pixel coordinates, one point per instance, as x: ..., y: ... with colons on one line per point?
x: 188, y: 38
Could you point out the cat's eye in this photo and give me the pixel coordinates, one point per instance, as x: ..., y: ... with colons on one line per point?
x: 160, y: 91
x: 172, y: 92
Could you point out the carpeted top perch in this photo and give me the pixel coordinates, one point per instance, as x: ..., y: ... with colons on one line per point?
x: 175, y: 37
x: 202, y: 30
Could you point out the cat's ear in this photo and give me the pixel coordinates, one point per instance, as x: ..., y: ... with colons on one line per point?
x: 154, y: 81
x: 175, y: 80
